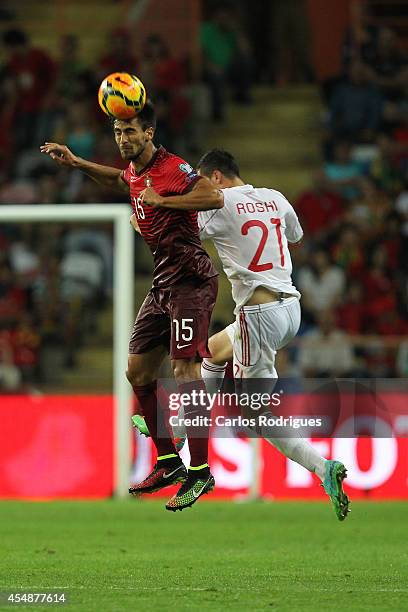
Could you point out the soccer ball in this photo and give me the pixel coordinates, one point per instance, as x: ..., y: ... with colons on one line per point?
x: 121, y: 95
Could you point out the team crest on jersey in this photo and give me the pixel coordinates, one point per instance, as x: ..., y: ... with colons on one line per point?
x: 186, y: 168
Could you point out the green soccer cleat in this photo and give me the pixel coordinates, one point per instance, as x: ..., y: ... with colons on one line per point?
x: 139, y: 423
x: 190, y: 491
x: 333, y: 485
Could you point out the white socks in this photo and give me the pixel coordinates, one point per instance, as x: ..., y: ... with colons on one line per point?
x: 212, y: 375
x: 302, y: 452
x: 295, y: 449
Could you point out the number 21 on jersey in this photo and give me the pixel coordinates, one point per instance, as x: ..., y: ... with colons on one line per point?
x: 255, y: 266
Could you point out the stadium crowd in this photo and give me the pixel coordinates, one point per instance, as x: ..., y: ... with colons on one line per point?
x: 351, y: 269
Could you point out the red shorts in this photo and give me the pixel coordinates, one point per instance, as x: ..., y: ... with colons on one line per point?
x: 178, y: 318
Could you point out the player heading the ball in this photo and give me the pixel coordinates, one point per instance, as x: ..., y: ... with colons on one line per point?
x: 175, y: 316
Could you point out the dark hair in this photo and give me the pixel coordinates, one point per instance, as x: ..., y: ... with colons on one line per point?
x: 218, y: 159
x: 146, y: 117
x: 11, y: 38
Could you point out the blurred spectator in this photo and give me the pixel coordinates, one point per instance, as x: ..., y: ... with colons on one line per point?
x: 319, y: 209
x: 227, y: 59
x: 326, y: 351
x: 396, y: 111
x: 342, y: 174
x: 13, y: 299
x: 161, y: 72
x: 351, y: 312
x: 348, y: 251
x: 119, y: 56
x: 27, y: 69
x: 321, y: 284
x: 80, y: 133
x: 24, y: 261
x: 46, y: 301
x: 368, y: 212
x: 379, y: 289
x: 356, y: 106
x: 18, y: 192
x: 392, y: 241
x: 93, y: 240
x: 81, y: 292
x: 71, y: 73
x: 27, y: 342
x: 48, y: 188
x: 360, y: 41
x: 388, y: 63
x: 81, y: 274
x: 165, y: 78
x: 384, y: 169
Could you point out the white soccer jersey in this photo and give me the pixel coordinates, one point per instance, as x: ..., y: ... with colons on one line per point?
x: 251, y: 234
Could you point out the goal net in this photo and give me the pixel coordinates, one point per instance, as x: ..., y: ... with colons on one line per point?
x: 123, y: 308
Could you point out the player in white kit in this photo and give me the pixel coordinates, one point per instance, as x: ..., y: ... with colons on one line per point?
x: 251, y: 233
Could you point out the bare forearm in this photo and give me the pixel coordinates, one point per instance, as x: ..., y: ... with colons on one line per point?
x: 194, y: 200
x: 104, y: 175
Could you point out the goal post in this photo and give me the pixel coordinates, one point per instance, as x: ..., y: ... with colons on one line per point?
x: 123, y: 307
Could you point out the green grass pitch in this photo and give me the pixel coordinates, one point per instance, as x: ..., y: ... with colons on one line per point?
x: 134, y: 555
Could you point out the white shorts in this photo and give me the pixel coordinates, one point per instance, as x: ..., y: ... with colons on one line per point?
x: 258, y: 332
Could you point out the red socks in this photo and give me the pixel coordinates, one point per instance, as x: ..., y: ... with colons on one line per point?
x: 155, y: 419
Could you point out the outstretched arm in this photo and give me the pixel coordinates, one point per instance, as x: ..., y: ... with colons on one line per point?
x: 104, y: 175
x: 203, y: 196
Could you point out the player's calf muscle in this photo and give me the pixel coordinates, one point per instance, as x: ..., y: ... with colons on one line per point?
x: 186, y: 370
x: 139, y: 377
x: 143, y: 369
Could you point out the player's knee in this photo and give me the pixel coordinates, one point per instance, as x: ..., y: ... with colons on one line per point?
x: 217, y: 359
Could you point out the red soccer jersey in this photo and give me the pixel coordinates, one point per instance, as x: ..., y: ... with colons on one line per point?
x: 172, y: 235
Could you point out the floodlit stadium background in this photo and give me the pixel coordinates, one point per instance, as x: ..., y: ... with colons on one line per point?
x: 290, y: 113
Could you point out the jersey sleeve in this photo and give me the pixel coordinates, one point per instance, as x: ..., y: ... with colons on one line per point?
x: 294, y: 231
x: 181, y: 177
x: 213, y: 222
x: 125, y: 175
x: 207, y: 223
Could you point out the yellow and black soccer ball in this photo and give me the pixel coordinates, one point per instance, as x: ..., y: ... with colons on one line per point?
x: 122, y: 95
